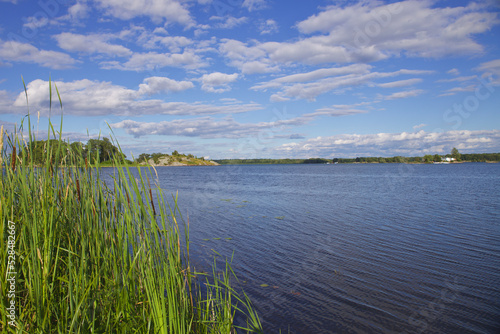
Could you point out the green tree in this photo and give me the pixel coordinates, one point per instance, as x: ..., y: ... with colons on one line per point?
x: 101, y: 150
x: 143, y: 157
x: 455, y: 154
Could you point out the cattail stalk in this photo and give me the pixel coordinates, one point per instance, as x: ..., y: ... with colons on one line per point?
x: 151, y: 198
x: 152, y: 203
x: 78, y: 189
x: 1, y: 146
x: 13, y: 158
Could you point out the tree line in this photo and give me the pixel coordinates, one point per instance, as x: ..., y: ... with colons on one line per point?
x: 96, y: 150
x: 428, y: 158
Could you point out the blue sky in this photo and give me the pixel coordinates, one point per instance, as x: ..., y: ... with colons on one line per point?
x: 258, y: 78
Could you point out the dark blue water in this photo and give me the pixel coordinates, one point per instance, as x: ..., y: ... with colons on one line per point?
x: 355, y: 248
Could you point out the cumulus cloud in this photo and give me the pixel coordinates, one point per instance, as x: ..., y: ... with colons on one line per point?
x: 459, y: 79
x: 154, y: 85
x: 310, y: 85
x: 12, y: 51
x: 400, y: 83
x: 217, y: 82
x: 77, y: 12
x: 403, y: 95
x: 278, y: 98
x: 412, y: 26
x: 371, y: 31
x: 157, y: 10
x: 391, y: 144
x: 173, y: 43
x: 314, y: 75
x: 491, y: 69
x: 94, y: 43
x: 154, y: 60
x: 34, y: 22
x: 453, y: 91
x: 205, y: 127
x: 250, y: 60
x: 269, y: 26
x: 92, y: 98
x: 228, y: 22
x: 252, y: 5
x: 335, y: 112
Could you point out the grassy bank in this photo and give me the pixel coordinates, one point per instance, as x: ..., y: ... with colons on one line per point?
x: 80, y: 256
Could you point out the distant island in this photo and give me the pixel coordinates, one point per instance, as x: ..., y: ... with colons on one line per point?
x: 174, y: 159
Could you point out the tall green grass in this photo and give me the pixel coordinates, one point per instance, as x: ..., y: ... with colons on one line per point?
x: 93, y: 257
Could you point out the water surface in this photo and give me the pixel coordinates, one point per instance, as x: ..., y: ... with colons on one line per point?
x: 353, y: 248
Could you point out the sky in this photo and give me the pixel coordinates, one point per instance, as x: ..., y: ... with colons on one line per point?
x: 256, y: 78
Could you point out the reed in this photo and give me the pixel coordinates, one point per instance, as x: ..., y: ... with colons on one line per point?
x: 92, y: 257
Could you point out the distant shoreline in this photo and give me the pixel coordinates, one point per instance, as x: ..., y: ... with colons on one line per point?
x: 347, y: 163
x: 427, y: 159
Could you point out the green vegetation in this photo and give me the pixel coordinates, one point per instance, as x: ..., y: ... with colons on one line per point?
x: 91, y: 257
x: 95, y: 151
x: 175, y: 159
x: 481, y: 157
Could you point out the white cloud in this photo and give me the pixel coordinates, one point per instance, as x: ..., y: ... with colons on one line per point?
x: 91, y: 98
x: 217, y: 82
x: 404, y: 94
x: 412, y: 26
x: 314, y: 75
x: 371, y: 31
x: 455, y: 90
x: 329, y: 80
x: 269, y: 26
x: 493, y: 65
x: 13, y: 51
x: 420, y: 126
x: 459, y: 79
x: 154, y: 85
x: 240, y: 54
x: 391, y: 144
x: 153, y: 60
x: 491, y: 69
x: 95, y: 43
x: 228, y: 22
x: 173, y: 43
x: 77, y: 12
x: 278, y: 98
x: 252, y: 5
x: 335, y: 111
x: 454, y: 71
x: 400, y: 83
x: 157, y: 10
x: 34, y: 23
x: 206, y: 127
